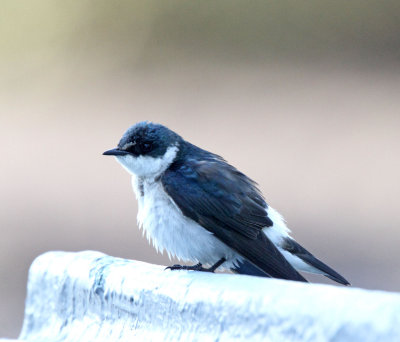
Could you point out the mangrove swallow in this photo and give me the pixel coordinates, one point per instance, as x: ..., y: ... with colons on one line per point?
x: 198, y: 208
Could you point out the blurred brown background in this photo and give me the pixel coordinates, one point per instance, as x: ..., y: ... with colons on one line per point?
x: 304, y: 97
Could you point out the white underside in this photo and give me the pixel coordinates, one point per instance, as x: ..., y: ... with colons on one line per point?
x: 179, y: 236
x: 169, y: 230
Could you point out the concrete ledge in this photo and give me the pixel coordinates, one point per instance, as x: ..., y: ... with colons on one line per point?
x: 89, y: 296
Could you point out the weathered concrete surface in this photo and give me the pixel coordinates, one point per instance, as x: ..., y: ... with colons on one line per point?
x: 89, y: 296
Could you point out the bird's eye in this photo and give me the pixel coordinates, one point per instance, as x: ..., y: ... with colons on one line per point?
x: 146, y: 146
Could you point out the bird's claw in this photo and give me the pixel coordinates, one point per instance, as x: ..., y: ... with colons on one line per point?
x: 175, y: 267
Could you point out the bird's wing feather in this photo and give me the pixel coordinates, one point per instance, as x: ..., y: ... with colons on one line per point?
x: 227, y: 203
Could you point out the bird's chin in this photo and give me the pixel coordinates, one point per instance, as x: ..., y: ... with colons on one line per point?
x: 128, y: 163
x: 141, y: 166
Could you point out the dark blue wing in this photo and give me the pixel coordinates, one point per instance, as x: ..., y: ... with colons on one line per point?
x: 227, y: 203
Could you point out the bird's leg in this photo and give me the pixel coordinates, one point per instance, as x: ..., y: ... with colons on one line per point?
x: 197, y: 267
x: 216, y: 265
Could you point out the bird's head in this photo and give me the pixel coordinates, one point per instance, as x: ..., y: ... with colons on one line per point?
x: 146, y: 149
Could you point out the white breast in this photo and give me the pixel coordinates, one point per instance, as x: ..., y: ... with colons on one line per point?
x: 168, y: 229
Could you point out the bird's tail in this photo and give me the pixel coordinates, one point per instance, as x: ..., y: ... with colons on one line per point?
x: 300, y: 252
x: 246, y: 267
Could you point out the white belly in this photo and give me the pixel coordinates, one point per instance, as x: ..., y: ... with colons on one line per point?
x: 168, y: 229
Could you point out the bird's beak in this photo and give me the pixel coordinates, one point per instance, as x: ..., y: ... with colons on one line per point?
x: 115, y: 152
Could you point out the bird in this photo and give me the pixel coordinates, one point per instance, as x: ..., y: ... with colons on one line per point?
x: 197, y: 207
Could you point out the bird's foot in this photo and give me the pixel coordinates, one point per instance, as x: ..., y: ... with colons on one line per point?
x: 197, y: 267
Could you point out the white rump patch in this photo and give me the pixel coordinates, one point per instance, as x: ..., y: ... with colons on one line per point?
x: 277, y: 233
x: 279, y: 230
